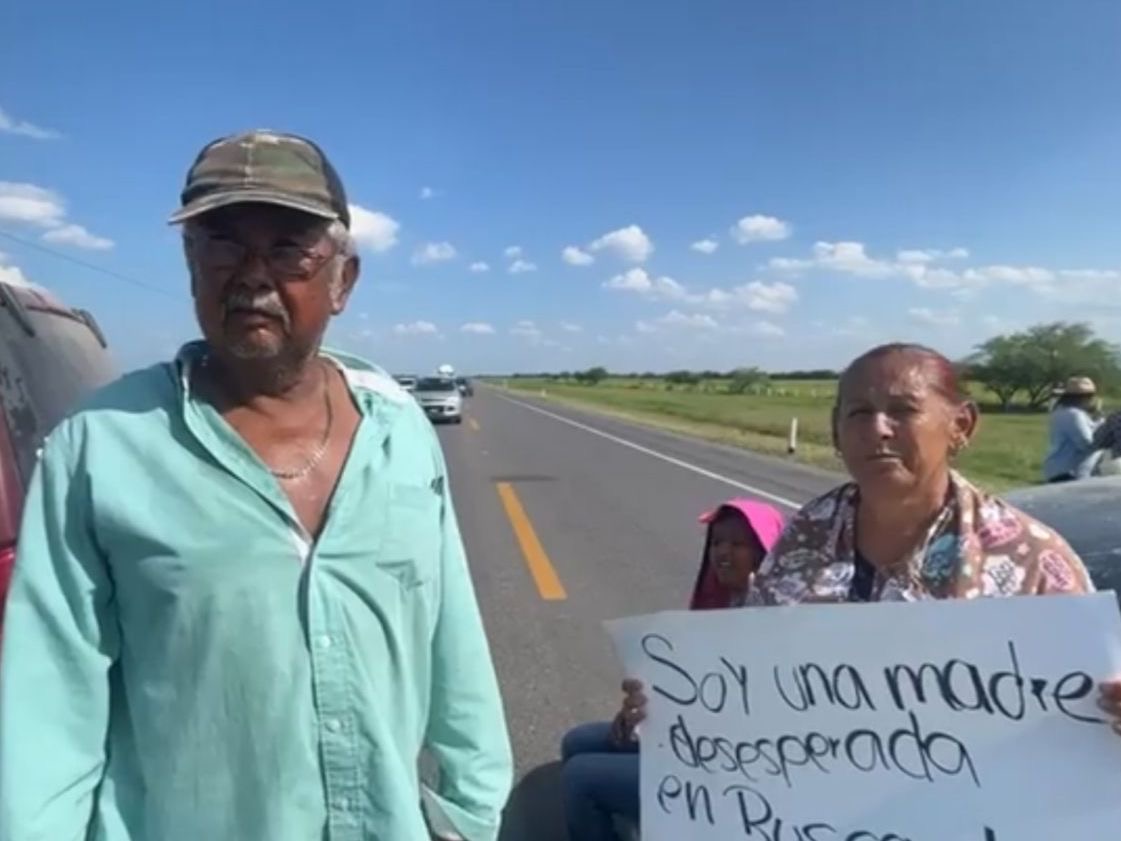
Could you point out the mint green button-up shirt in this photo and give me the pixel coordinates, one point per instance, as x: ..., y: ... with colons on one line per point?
x: 182, y: 663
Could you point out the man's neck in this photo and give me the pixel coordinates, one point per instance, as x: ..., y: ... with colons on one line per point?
x: 265, y: 385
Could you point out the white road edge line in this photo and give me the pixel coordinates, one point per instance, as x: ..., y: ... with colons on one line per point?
x: 676, y: 462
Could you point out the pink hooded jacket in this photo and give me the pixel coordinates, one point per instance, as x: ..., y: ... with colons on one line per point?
x: 767, y: 523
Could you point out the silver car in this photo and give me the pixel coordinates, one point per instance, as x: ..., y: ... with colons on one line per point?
x: 407, y: 382
x: 1088, y: 514
x: 440, y: 398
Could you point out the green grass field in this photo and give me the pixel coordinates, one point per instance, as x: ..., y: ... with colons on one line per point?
x: 1007, y: 452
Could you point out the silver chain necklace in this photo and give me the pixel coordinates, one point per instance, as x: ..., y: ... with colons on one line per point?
x: 320, y: 450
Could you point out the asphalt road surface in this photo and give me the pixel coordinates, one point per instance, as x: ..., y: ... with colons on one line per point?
x: 571, y: 519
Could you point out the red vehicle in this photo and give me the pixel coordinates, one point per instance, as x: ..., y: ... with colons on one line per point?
x: 50, y: 357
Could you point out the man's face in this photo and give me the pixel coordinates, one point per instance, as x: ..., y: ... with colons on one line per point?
x: 265, y: 281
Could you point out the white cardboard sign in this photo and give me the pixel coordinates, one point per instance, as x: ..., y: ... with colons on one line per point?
x: 922, y: 721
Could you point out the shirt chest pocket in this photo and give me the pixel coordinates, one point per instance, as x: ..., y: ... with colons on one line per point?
x: 410, y: 550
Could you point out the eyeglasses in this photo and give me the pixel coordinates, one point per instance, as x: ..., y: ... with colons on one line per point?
x: 221, y: 254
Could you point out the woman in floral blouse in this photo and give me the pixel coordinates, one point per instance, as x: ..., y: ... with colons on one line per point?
x: 909, y: 526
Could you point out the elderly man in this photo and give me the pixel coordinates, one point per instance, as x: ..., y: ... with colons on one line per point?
x: 241, y: 608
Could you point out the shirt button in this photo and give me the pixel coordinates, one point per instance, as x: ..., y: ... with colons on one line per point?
x: 342, y: 804
x: 334, y: 725
x: 324, y: 642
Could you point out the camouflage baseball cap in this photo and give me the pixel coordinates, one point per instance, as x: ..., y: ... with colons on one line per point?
x: 263, y: 166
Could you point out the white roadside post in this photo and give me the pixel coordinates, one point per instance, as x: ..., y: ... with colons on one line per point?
x: 792, y: 444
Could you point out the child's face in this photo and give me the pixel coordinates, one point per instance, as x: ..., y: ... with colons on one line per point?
x: 734, y: 551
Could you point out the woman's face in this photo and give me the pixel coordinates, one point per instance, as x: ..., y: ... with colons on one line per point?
x: 733, y: 550
x: 895, y: 430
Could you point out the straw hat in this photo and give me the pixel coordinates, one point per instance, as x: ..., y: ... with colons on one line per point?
x: 1079, y: 387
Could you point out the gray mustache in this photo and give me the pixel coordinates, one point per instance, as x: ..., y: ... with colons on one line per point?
x: 265, y: 303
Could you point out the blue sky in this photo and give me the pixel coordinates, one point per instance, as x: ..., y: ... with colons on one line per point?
x: 743, y: 183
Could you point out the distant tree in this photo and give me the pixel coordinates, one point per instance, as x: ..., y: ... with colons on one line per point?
x: 819, y: 374
x: 593, y: 376
x: 743, y: 379
x: 1035, y: 360
x: 1003, y: 366
x: 682, y: 378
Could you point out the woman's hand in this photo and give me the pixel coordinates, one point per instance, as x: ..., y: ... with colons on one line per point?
x: 1110, y: 702
x: 632, y: 712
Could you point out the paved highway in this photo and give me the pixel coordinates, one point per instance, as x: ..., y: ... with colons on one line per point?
x: 571, y: 519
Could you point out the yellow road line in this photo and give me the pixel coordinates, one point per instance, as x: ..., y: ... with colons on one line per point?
x: 473, y: 424
x: 540, y: 567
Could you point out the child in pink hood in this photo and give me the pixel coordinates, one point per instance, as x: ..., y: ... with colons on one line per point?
x: 600, y: 773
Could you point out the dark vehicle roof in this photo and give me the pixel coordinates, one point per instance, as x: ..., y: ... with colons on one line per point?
x: 50, y: 357
x: 1088, y: 514
x: 436, y: 384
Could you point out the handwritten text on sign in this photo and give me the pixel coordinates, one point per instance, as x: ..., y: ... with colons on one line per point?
x: 931, y: 721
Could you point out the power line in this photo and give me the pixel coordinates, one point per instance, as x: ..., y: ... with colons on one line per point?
x: 91, y: 266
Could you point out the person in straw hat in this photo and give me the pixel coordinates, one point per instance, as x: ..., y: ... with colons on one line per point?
x: 1072, y: 454
x: 1107, y: 438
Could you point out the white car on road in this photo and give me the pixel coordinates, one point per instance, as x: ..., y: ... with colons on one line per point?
x: 440, y: 398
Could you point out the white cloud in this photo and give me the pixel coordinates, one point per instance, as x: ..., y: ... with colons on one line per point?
x: 10, y: 274
x: 478, y: 328
x: 774, y: 298
x: 574, y: 256
x: 569, y: 327
x: 1090, y: 274
x: 930, y: 255
x: 513, y: 251
x: 640, y: 282
x: 759, y: 228
x: 633, y: 280
x: 845, y: 257
x: 522, y: 266
x: 914, y: 255
x: 416, y: 328
x: 22, y: 128
x: 921, y: 267
x: 434, y: 252
x: 693, y: 321
x: 1016, y: 275
x: 934, y: 318
x: 373, y: 229
x: 31, y: 204
x: 480, y: 267
x: 630, y: 244
x: 527, y: 330
x: 699, y: 322
x: 77, y: 236
x: 705, y: 246
x: 766, y: 329
x: 675, y: 319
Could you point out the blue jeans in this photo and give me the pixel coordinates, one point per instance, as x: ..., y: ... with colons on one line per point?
x: 600, y: 781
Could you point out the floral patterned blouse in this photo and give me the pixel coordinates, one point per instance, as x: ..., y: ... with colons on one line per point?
x: 978, y: 546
